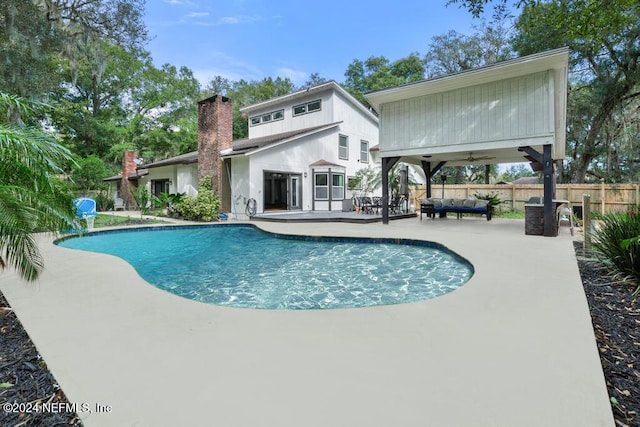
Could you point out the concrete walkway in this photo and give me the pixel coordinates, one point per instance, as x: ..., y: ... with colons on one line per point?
x: 512, y: 347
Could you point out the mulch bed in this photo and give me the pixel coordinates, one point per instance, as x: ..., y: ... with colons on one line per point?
x: 614, y: 312
x: 32, y: 384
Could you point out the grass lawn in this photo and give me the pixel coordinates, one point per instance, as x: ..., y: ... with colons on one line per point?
x: 512, y: 215
x: 106, y: 220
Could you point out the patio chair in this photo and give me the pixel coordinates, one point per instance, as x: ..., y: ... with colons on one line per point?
x: 86, y: 210
x: 366, y: 204
x: 562, y: 212
x: 396, y: 205
x: 118, y: 203
x: 376, y: 203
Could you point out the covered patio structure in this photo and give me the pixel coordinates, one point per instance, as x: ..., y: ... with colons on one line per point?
x: 509, y: 112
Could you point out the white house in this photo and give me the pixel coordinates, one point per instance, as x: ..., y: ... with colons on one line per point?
x: 301, y: 152
x: 302, y: 149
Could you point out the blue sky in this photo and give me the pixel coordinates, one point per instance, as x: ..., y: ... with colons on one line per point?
x: 254, y: 39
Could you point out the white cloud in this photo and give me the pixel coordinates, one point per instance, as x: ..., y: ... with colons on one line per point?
x: 297, y: 77
x: 197, y: 15
x: 180, y: 2
x: 229, y: 67
x: 230, y: 20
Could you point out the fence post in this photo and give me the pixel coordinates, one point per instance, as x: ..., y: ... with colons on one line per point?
x: 602, y: 200
x: 586, y: 221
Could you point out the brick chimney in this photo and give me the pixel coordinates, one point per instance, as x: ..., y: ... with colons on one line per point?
x: 215, y: 133
x: 128, y: 168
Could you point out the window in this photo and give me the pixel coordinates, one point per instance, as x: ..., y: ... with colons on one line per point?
x: 308, y: 107
x: 266, y: 118
x: 159, y: 186
x: 337, y: 187
x: 354, y: 183
x: 343, y: 147
x: 313, y: 106
x: 364, y: 152
x: 321, y: 186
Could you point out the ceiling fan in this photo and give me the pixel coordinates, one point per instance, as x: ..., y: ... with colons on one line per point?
x: 470, y: 158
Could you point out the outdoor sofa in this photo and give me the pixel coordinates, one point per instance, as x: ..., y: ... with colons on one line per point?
x: 458, y: 206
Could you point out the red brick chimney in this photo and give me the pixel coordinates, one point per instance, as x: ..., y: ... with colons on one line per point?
x: 128, y: 169
x: 215, y: 133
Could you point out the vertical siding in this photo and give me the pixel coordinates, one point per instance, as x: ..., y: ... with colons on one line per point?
x: 509, y: 109
x: 241, y: 187
x: 290, y: 122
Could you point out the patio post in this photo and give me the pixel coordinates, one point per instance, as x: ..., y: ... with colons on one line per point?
x: 428, y: 173
x: 549, y: 181
x: 387, y: 164
x: 426, y: 168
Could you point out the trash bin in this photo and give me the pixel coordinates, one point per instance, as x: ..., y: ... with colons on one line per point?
x: 347, y: 205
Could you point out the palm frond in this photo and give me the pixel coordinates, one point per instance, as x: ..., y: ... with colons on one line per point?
x: 30, y: 198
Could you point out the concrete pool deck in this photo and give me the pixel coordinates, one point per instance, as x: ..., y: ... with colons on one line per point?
x: 512, y: 347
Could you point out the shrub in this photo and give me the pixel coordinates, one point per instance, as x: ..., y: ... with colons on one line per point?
x: 203, y: 207
x: 104, y: 202
x: 493, y: 198
x: 169, y: 201
x: 616, y: 244
x: 142, y: 197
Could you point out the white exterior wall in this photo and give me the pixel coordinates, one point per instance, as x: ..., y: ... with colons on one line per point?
x: 513, y: 110
x: 241, y: 186
x: 165, y: 172
x: 186, y: 180
x: 295, y: 157
x: 289, y: 123
x: 357, y: 126
x: 114, y: 189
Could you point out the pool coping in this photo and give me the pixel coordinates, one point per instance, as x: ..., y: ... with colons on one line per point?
x: 513, y: 346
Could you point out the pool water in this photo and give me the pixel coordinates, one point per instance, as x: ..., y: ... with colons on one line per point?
x: 241, y: 266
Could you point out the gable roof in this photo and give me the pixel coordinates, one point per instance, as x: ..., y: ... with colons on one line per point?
x: 556, y: 59
x: 251, y: 145
x: 183, y: 159
x: 132, y: 177
x: 323, y: 162
x: 304, y: 93
x: 240, y: 146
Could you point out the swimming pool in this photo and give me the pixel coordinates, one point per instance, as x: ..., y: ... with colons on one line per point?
x: 240, y: 265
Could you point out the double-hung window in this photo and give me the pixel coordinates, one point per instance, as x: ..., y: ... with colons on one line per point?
x: 343, y: 147
x: 337, y: 186
x: 364, y: 151
x: 325, y: 182
x: 321, y: 187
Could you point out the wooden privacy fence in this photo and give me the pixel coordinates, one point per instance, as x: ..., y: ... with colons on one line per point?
x: 604, y: 197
